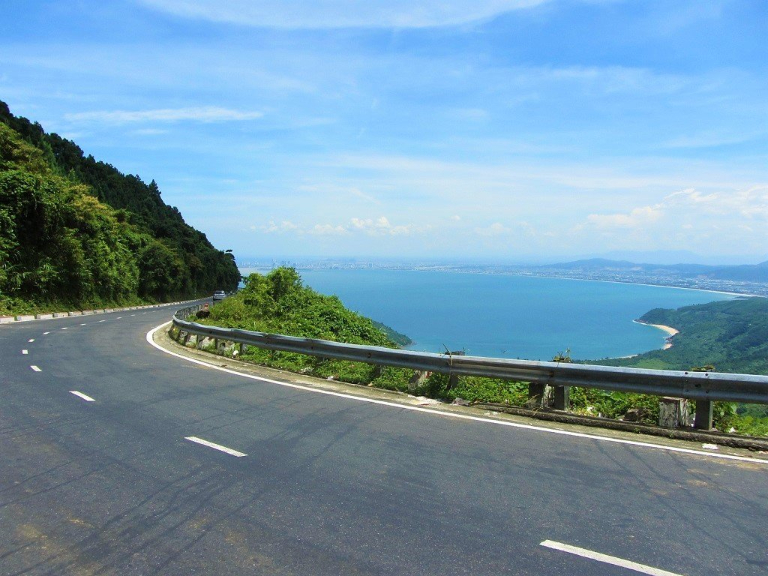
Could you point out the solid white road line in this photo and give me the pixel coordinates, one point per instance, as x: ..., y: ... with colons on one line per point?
x: 25, y: 352
x: 151, y: 341
x: 584, y: 553
x: 35, y: 368
x: 81, y: 395
x: 215, y: 446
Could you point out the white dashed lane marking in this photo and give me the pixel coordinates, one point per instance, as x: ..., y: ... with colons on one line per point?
x: 31, y: 340
x: 612, y: 560
x: 218, y: 447
x: 35, y: 368
x: 46, y: 333
x: 81, y: 395
x: 102, y: 321
x: 25, y: 352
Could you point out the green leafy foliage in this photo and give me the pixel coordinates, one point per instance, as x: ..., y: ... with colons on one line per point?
x: 279, y: 303
x: 726, y: 336
x: 76, y: 232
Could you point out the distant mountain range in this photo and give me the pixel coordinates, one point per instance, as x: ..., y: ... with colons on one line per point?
x: 741, y: 273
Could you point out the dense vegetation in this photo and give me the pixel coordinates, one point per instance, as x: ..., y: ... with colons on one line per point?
x: 729, y: 336
x: 279, y: 303
x: 75, y: 232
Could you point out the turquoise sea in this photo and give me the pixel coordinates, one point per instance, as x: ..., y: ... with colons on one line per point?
x: 507, y: 316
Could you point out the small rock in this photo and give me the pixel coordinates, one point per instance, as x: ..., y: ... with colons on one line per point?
x: 634, y: 415
x: 460, y: 402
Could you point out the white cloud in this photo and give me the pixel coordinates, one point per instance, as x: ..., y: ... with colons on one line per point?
x: 272, y: 227
x: 205, y: 114
x: 637, y: 218
x: 342, y: 13
x: 495, y: 229
x: 328, y: 230
x: 724, y: 221
x: 382, y: 226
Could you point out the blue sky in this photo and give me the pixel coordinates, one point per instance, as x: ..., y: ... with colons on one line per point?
x: 507, y: 130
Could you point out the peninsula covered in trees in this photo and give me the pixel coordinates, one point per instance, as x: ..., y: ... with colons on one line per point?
x: 76, y: 232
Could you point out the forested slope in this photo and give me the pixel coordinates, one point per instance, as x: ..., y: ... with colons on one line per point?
x: 729, y: 336
x: 77, y: 232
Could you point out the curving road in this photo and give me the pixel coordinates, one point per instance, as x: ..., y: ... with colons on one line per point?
x: 98, y: 475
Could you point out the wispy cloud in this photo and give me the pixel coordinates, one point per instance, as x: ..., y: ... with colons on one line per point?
x: 734, y: 219
x: 380, y: 226
x: 342, y: 13
x: 207, y: 114
x: 639, y: 217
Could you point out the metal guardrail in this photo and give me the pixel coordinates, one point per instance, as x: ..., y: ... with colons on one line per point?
x: 703, y: 387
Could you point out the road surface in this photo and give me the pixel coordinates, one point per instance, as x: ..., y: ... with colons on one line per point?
x: 117, y: 458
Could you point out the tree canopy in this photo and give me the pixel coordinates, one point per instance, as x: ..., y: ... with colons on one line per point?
x: 74, y: 231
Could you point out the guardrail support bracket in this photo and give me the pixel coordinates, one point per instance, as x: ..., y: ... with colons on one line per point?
x: 562, y: 397
x: 703, y: 418
x: 535, y: 395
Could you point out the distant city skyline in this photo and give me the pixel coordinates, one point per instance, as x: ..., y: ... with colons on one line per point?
x: 509, y: 130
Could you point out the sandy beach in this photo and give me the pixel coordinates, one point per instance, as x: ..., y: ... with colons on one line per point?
x: 668, y: 329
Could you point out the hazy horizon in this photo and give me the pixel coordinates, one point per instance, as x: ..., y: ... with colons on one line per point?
x: 661, y: 258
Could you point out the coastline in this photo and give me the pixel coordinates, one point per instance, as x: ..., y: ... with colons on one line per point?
x: 264, y: 270
x: 671, y: 332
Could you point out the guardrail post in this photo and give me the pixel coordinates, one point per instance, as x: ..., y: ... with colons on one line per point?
x: 418, y: 379
x: 535, y: 395
x: 562, y: 397
x: 673, y: 412
x: 703, y: 418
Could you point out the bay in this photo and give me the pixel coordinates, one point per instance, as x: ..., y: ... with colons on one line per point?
x: 506, y: 316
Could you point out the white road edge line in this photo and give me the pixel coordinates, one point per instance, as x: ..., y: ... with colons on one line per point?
x: 151, y: 341
x: 613, y: 560
x: 81, y: 395
x: 215, y: 446
x: 35, y: 368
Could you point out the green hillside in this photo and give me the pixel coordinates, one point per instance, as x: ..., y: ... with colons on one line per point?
x: 730, y: 336
x: 279, y: 303
x: 75, y: 232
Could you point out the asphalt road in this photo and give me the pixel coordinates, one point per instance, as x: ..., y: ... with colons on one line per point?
x: 327, y: 485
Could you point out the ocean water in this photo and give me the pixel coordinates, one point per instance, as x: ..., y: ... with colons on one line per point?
x: 507, y: 316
